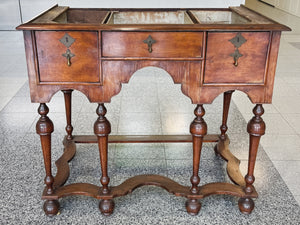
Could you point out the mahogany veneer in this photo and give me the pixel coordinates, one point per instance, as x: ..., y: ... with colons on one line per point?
x: 207, y: 51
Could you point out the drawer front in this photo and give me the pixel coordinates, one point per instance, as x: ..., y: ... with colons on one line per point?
x: 236, y: 57
x: 55, y: 47
x: 163, y: 44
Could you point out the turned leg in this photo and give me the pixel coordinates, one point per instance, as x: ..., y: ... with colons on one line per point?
x: 102, y: 129
x: 44, y: 128
x: 256, y: 128
x: 224, y: 127
x: 198, y: 129
x: 68, y: 105
x: 226, y: 105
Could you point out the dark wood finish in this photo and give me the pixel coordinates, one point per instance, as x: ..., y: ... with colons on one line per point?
x: 256, y: 128
x: 51, y: 207
x: 50, y: 15
x: 44, y: 127
x: 257, y: 22
x: 63, y: 169
x: 199, y: 56
x: 68, y: 105
x: 144, y: 138
x: 219, y: 66
x: 233, y: 163
x: 102, y: 129
x: 138, y: 181
x: 168, y: 44
x: 198, y: 130
x: 131, y: 184
x: 187, y: 72
x: 86, y: 16
x: 226, y: 105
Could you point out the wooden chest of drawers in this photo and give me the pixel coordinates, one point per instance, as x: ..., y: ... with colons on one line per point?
x: 208, y: 51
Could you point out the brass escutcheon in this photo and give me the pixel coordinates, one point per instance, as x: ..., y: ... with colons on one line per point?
x: 237, y: 41
x: 149, y: 41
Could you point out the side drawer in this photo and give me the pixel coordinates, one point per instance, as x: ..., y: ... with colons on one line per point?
x: 55, y: 47
x: 166, y: 44
x: 251, y: 50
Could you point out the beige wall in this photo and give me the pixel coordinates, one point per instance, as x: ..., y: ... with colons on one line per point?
x: 290, y: 6
x: 276, y: 14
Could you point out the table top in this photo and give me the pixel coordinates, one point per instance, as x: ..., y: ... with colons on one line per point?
x: 232, y: 18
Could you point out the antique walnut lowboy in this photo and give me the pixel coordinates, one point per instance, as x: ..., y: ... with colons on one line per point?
x: 207, y: 51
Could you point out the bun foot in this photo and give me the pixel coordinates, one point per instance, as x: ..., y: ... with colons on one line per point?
x: 51, y: 207
x: 106, y: 207
x: 193, y: 206
x: 246, y: 205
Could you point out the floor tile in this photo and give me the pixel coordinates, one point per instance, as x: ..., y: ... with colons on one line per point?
x: 145, y: 89
x: 283, y: 91
x: 20, y: 105
x: 287, y: 105
x: 178, y: 123
x: 169, y: 90
x: 139, y: 104
x: 139, y: 123
x: 140, y: 151
x: 297, y: 198
x: 289, y: 170
x: 176, y: 105
x: 290, y: 78
x: 126, y: 168
x: 178, y: 150
x: 4, y: 101
x: 273, y: 145
x: 210, y: 170
x: 293, y: 120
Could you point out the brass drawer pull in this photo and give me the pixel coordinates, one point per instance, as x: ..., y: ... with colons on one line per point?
x: 149, y: 41
x: 68, y: 55
x: 237, y: 41
x: 236, y: 55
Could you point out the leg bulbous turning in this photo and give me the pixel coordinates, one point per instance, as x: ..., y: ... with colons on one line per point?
x: 193, y: 206
x: 256, y: 128
x: 246, y: 205
x: 198, y: 129
x: 106, y: 206
x: 51, y: 207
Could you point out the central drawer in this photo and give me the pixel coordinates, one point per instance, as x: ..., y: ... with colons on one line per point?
x: 152, y: 44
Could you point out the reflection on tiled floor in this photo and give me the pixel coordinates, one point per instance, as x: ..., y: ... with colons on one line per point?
x: 159, y: 108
